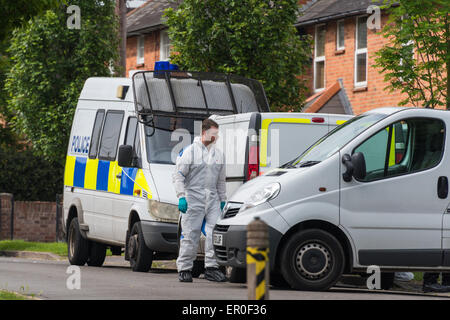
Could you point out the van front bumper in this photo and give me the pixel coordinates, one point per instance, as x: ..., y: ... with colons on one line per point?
x: 234, y: 246
x: 160, y: 236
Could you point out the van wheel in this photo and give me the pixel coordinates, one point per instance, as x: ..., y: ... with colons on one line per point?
x: 97, y: 254
x: 77, y: 246
x: 198, y: 268
x: 141, y: 257
x: 312, y: 260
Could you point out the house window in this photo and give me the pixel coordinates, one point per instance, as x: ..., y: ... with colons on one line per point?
x: 340, y: 35
x: 140, y: 49
x: 319, y: 58
x: 164, y: 47
x: 361, y: 52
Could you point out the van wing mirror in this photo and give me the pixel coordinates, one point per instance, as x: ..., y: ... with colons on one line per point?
x: 125, y: 156
x: 359, y: 165
x: 356, y: 166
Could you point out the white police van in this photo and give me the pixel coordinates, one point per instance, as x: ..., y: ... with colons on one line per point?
x: 120, y: 159
x: 124, y: 141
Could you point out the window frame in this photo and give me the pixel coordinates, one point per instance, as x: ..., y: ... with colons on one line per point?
x: 360, y: 84
x: 99, y: 134
x: 136, y: 158
x: 319, y: 59
x: 118, y: 140
x: 409, y: 136
x: 140, y: 43
x: 163, y: 45
x: 338, y: 47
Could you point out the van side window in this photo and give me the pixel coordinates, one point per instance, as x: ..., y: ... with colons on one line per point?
x: 132, y: 139
x: 96, y: 133
x: 110, y: 135
x: 404, y: 147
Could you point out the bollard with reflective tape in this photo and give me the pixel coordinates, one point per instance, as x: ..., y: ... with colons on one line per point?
x: 258, y: 260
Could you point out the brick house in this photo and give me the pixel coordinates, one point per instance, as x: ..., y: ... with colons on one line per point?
x: 342, y: 78
x: 147, y: 38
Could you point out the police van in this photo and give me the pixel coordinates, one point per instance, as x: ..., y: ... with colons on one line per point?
x: 125, y: 138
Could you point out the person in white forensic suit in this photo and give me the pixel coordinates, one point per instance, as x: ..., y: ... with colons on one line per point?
x: 200, y: 185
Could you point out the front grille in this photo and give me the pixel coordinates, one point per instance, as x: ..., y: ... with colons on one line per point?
x: 221, y: 253
x: 232, y: 210
x: 221, y: 228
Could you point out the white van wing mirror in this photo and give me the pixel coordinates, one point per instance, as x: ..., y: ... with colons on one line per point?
x: 125, y: 156
x: 356, y: 166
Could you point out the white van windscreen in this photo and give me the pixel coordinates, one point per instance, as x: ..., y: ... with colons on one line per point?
x: 163, y: 143
x: 335, y: 140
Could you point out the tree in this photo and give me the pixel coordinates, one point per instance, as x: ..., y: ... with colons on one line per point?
x: 252, y: 38
x: 50, y: 64
x: 416, y: 60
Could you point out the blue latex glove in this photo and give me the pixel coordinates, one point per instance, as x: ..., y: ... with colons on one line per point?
x: 222, y: 205
x: 182, y: 204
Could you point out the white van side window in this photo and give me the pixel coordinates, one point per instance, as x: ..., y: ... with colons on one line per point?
x: 132, y: 139
x: 96, y: 134
x: 404, y: 147
x: 110, y: 135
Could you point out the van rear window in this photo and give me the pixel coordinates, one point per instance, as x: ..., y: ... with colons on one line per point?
x: 110, y: 135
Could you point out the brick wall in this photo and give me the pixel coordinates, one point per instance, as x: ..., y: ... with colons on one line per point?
x: 33, y: 220
x: 151, y: 52
x: 341, y: 65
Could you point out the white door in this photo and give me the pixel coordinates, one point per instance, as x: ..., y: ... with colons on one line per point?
x: 394, y: 215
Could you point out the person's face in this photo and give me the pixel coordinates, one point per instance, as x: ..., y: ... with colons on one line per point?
x: 210, y: 136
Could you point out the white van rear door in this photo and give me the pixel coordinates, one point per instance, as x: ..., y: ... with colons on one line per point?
x: 286, y: 136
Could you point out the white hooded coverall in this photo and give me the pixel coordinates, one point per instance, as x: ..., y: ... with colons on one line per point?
x: 199, y: 177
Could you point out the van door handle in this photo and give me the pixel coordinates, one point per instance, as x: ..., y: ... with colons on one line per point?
x: 442, y: 187
x: 119, y: 176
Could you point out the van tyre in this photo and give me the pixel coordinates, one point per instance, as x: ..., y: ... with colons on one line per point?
x: 141, y: 257
x: 97, y: 254
x: 312, y: 260
x: 77, y: 246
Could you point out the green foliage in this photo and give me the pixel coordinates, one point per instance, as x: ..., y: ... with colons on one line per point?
x: 416, y: 61
x: 50, y: 64
x: 252, y: 38
x: 29, y: 177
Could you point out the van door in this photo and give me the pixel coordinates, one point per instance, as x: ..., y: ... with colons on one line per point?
x: 285, y: 138
x: 394, y: 215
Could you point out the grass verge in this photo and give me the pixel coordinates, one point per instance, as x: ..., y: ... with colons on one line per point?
x: 58, y: 248
x: 6, y: 295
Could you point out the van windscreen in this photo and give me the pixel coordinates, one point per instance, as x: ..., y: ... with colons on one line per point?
x: 335, y: 140
x: 165, y: 137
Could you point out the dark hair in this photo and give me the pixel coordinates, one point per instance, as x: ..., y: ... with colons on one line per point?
x: 208, y: 123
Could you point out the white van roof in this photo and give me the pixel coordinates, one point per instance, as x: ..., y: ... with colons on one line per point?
x: 106, y: 89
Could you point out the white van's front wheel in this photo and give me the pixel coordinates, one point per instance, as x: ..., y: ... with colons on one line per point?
x: 312, y: 260
x: 77, y: 246
x: 141, y: 257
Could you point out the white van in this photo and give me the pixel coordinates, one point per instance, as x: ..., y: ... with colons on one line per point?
x: 118, y: 188
x: 372, y: 192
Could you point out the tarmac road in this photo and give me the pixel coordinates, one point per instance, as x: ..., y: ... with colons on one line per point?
x: 47, y: 280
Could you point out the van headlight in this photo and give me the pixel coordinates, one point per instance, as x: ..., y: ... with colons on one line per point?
x: 267, y: 193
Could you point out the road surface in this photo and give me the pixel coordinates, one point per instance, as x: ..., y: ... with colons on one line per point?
x: 47, y: 280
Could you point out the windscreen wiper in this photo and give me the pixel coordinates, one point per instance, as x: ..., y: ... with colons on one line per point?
x: 308, y: 164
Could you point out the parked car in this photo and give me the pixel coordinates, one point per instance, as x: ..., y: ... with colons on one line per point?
x: 374, y: 191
